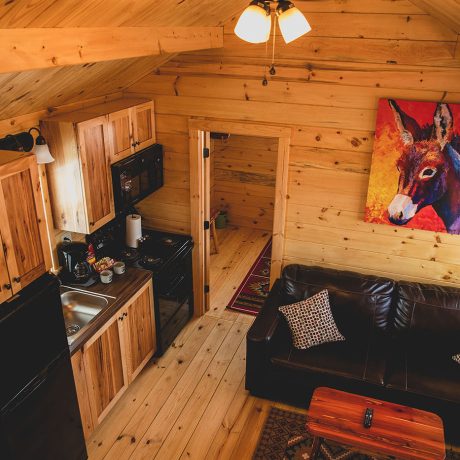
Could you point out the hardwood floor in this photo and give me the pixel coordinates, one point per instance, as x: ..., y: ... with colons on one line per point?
x: 191, y: 403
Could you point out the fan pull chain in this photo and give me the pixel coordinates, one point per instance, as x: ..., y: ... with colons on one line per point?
x: 272, y: 67
x: 265, y: 81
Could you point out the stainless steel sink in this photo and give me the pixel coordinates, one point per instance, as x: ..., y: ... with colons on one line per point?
x: 79, y: 309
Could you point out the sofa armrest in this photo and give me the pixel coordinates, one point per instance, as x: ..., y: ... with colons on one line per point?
x: 260, y: 342
x: 264, y: 326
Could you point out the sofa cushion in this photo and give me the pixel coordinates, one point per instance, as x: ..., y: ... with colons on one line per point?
x: 359, y: 303
x: 340, y: 359
x: 424, y: 371
x: 428, y: 314
x: 311, y: 321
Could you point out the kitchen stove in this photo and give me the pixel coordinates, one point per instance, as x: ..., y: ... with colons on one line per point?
x: 169, y: 257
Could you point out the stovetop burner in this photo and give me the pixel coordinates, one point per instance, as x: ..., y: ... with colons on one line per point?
x: 149, y: 261
x: 168, y: 241
x: 129, y: 254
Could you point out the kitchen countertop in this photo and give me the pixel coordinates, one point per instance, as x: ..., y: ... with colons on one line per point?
x: 123, y: 287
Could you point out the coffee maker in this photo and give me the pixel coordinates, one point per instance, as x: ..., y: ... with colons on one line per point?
x: 72, y: 258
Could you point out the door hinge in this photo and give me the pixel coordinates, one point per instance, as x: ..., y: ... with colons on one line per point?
x: 206, y: 288
x: 206, y: 152
x: 206, y: 225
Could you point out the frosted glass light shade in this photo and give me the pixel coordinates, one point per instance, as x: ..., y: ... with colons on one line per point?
x: 43, y: 154
x: 254, y: 24
x: 293, y: 24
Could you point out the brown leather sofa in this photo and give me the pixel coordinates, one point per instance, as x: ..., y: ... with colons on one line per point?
x: 400, y: 338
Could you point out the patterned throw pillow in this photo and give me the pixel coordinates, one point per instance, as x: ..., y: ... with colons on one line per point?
x: 456, y: 358
x: 311, y: 321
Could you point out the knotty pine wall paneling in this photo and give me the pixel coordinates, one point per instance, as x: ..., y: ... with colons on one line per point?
x: 244, y: 180
x: 327, y: 88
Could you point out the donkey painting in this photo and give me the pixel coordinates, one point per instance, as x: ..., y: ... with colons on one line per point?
x: 429, y: 168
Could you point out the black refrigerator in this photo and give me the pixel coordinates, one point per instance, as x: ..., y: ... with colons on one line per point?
x: 39, y: 415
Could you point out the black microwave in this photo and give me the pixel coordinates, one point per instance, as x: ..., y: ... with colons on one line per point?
x: 137, y: 176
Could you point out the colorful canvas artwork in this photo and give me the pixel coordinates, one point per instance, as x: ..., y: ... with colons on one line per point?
x: 415, y: 172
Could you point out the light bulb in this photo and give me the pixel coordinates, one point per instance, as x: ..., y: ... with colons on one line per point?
x: 254, y: 23
x: 293, y: 23
x: 43, y: 154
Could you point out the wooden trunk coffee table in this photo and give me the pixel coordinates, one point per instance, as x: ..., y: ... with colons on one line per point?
x: 404, y: 432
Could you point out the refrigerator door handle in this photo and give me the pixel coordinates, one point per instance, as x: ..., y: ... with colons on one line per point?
x: 26, y: 392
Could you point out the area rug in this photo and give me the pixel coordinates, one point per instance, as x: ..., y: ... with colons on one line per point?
x: 284, y: 437
x: 252, y: 292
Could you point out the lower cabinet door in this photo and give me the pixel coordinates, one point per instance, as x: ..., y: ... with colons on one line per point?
x: 105, y: 368
x: 79, y: 376
x: 139, y: 331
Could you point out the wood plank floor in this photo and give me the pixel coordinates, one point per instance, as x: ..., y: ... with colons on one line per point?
x: 191, y: 403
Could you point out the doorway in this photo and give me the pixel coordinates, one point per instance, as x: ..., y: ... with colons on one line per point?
x: 270, y: 223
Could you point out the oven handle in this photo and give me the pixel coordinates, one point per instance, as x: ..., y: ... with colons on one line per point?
x: 176, y: 283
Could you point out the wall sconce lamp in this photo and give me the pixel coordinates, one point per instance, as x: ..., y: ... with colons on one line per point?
x: 24, y: 142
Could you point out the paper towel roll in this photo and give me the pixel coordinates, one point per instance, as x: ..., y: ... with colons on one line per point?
x: 133, y: 230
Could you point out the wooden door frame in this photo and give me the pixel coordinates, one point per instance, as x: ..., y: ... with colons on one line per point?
x: 197, y: 126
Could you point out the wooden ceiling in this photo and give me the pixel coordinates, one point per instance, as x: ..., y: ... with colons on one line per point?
x: 34, y: 90
x: 446, y: 11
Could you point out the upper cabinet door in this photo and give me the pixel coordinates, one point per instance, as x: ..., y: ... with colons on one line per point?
x: 120, y: 132
x: 97, y: 178
x: 23, y: 229
x: 143, y: 125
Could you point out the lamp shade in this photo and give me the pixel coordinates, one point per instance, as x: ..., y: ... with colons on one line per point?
x: 293, y: 23
x: 43, y: 154
x: 254, y: 23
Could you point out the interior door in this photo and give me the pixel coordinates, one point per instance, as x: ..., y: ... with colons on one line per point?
x: 139, y: 331
x: 95, y: 162
x: 143, y: 125
x: 120, y: 132
x: 23, y: 227
x: 105, y: 369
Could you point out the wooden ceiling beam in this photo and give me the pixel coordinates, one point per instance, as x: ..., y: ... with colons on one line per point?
x: 445, y: 11
x: 36, y: 48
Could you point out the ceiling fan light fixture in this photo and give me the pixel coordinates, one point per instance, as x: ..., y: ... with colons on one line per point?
x: 254, y: 24
x: 293, y: 24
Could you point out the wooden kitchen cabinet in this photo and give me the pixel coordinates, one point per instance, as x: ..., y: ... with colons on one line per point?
x: 79, y: 375
x: 25, y: 251
x: 138, y: 328
x: 120, y: 135
x: 113, y: 357
x: 79, y: 180
x: 105, y: 369
x: 84, y: 144
x: 131, y: 130
x: 143, y: 125
x: 95, y: 168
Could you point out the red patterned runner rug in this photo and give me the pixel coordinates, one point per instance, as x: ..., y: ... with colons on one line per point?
x: 252, y: 292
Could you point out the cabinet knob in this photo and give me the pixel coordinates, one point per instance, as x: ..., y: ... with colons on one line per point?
x: 7, y: 286
x: 17, y: 279
x: 138, y: 143
x: 91, y: 223
x: 125, y: 314
x: 133, y: 144
x: 121, y: 318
